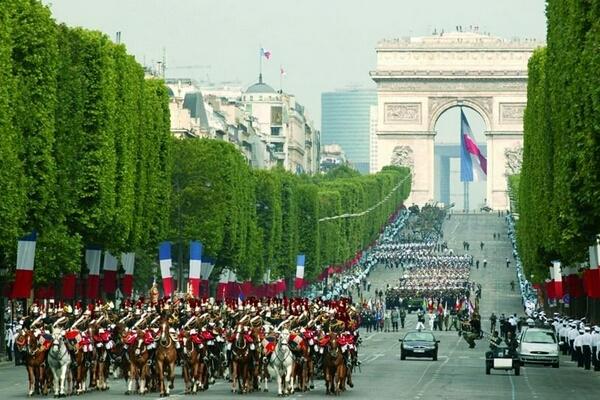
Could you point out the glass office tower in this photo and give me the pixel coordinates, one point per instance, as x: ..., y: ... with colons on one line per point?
x: 345, y: 121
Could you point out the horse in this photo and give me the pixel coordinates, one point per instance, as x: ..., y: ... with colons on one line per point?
x: 282, y: 361
x: 240, y: 364
x: 138, y: 364
x: 59, y: 361
x: 118, y: 353
x: 193, y: 366
x: 35, y: 357
x: 76, y: 344
x: 100, y: 365
x: 334, y: 367
x: 166, y: 358
x: 303, y: 363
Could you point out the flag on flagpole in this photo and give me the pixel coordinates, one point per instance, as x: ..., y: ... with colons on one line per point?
x: 299, y: 283
x: 473, y: 164
x: 25, y: 260
x: 128, y: 261
x: 93, y: 257
x: 222, y: 286
x: 282, y: 72
x: 164, y: 255
x: 265, y: 53
x: 195, y: 266
x: 206, y: 267
x: 109, y: 281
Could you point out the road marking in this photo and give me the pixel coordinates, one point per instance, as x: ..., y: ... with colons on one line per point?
x: 512, y: 384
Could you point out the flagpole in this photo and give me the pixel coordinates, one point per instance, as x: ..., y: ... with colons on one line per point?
x: 260, y: 56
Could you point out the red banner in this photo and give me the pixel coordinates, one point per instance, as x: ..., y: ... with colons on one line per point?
x: 68, y: 286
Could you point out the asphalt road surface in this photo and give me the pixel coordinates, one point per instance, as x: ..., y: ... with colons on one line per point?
x: 459, y: 372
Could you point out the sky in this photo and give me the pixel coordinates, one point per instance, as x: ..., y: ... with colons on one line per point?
x: 322, y: 45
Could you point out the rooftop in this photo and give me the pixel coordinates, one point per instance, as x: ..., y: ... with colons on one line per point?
x: 260, y: 87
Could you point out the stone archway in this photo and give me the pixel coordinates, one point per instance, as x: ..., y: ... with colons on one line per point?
x: 418, y: 79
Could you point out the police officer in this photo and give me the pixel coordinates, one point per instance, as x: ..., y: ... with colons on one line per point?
x: 578, y: 347
x: 586, y: 347
x: 596, y: 348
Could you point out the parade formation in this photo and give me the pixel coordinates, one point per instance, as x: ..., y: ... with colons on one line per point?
x: 249, y: 342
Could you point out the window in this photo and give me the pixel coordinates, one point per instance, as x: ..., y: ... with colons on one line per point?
x: 275, y: 130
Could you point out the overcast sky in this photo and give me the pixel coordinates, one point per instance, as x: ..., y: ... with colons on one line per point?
x: 322, y: 44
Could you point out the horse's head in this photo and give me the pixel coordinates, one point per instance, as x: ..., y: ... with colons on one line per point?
x: 333, y: 345
x: 140, y: 347
x: 284, y: 337
x: 57, y: 337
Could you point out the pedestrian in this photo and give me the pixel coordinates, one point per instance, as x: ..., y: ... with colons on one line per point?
x: 394, y: 317
x: 387, y: 322
x: 477, y: 264
x: 484, y: 263
x: 481, y: 246
x: 402, y: 317
x: 494, y: 235
x: 10, y: 334
x: 493, y: 322
x: 507, y: 262
x: 420, y: 320
x: 368, y: 286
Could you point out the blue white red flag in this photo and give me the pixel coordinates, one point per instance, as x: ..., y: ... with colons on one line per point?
x: 25, y: 261
x: 195, y: 266
x: 265, y: 53
x: 299, y: 282
x: 473, y: 164
x: 164, y: 255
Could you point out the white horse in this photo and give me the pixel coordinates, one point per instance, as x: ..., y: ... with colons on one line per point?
x: 282, y: 362
x: 59, y: 361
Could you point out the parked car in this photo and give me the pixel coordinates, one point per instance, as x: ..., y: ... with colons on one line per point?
x: 419, y: 344
x: 538, y: 346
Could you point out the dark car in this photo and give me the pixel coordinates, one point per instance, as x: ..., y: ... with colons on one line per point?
x: 419, y: 344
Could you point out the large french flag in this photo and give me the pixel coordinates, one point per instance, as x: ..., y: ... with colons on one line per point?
x: 164, y: 255
x: 195, y: 266
x: 473, y: 164
x: 299, y: 282
x: 93, y: 257
x: 25, y: 261
x: 128, y: 261
x: 109, y: 281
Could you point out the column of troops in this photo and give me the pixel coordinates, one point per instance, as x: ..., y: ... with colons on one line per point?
x: 71, y: 350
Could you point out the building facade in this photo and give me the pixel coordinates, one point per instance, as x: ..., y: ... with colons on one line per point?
x: 345, y: 121
x: 270, y: 128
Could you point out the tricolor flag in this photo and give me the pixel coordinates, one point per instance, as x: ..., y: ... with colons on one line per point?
x: 164, y: 255
x: 93, y: 256
x: 206, y: 267
x: 25, y: 260
x: 265, y: 53
x: 195, y: 266
x: 473, y: 165
x: 128, y: 261
x: 299, y: 283
x: 109, y: 282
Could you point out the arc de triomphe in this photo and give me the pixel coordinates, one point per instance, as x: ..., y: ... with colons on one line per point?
x: 420, y: 78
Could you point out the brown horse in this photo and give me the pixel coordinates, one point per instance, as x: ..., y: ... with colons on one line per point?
x: 139, y: 371
x: 303, y: 366
x: 166, y: 358
x: 118, y: 353
x: 35, y: 361
x: 334, y: 367
x: 99, y: 375
x: 194, y: 368
x: 240, y: 364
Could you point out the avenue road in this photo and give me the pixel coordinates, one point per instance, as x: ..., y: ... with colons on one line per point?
x: 459, y: 372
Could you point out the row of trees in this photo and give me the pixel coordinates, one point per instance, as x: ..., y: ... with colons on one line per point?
x: 87, y: 159
x: 254, y: 220
x: 560, y: 179
x: 84, y: 143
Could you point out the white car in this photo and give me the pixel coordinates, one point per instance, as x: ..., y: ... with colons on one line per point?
x: 538, y: 346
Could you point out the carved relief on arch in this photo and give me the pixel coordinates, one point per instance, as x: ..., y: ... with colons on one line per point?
x: 438, y: 105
